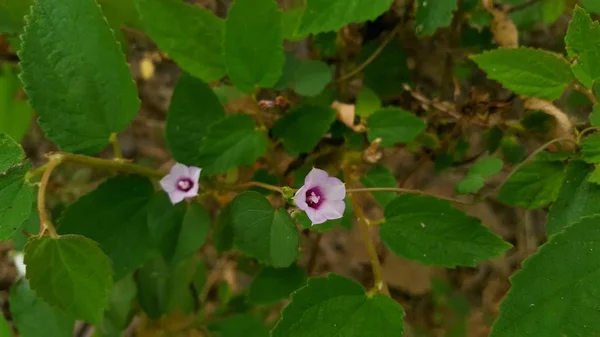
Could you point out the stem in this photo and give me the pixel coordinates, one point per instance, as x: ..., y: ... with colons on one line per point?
x: 107, y: 164
x: 114, y: 141
x: 587, y: 92
x: 44, y: 218
x: 376, y: 53
x: 405, y: 190
x: 379, y: 284
x: 584, y: 131
x: 258, y: 184
x: 523, y: 6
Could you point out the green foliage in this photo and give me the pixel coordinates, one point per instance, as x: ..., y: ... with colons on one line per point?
x: 329, y: 15
x: 303, y: 128
x: 242, y: 325
x: 367, y: 102
x: 337, y: 306
x: 253, y: 46
x: 380, y: 176
x: 576, y: 198
x: 5, y: 329
x: 33, y: 317
x: 591, y: 5
x: 11, y: 154
x: 16, y: 198
x: 534, y: 185
x: 590, y: 149
x: 482, y: 169
x: 267, y: 234
x: 194, y: 108
x: 114, y: 215
x: 191, y: 35
x: 311, y: 77
x: 595, y: 116
x: 231, y: 142
x: 78, y: 101
x: 15, y: 114
x: 433, y: 14
x: 433, y: 232
x: 527, y: 71
x: 272, y: 284
x: 582, y: 42
x: 393, y: 126
x: 70, y: 272
x: 12, y: 14
x: 120, y: 306
x: 387, y: 70
x: 554, y: 294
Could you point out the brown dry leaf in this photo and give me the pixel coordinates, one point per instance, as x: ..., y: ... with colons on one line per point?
x: 346, y: 114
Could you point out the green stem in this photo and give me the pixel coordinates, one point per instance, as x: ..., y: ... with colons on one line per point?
x: 45, y: 221
x: 114, y: 141
x: 405, y: 190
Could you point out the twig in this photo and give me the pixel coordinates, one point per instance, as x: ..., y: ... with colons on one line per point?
x: 45, y: 221
x: 258, y: 184
x: 114, y: 141
x: 522, y: 6
x: 405, y: 190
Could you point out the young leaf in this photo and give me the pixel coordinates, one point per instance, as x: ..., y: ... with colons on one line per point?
x: 11, y: 153
x: 15, y: 114
x: 245, y: 325
x: 577, y: 198
x: 433, y: 232
x: 590, y: 149
x: 555, y: 292
x: 34, y: 317
x: 393, y: 126
x: 79, y: 84
x: 303, y: 128
x: 253, y: 48
x: 190, y: 34
x: 367, y: 102
x: 433, y: 14
x: 329, y: 15
x: 534, y: 185
x: 482, y: 169
x: 272, y: 285
x: 114, y: 215
x: 232, y: 142
x: 311, y: 77
x: 527, y: 71
x: 262, y: 232
x: 338, y: 306
x: 194, y: 108
x: 380, y: 176
x: 16, y: 198
x: 70, y: 272
x: 583, y: 41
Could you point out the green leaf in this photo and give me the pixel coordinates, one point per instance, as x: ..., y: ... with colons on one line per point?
x: 393, y: 126
x: 338, y: 306
x: 114, y: 215
x: 555, y: 292
x: 191, y: 35
x: 303, y: 128
x: 582, y: 41
x: 15, y: 114
x: 272, y: 285
x: 11, y: 153
x: 577, y: 198
x: 591, y: 5
x: 79, y: 84
x: 380, y: 176
x: 34, y: 317
x: 534, y: 185
x: 242, y: 325
x: 595, y: 116
x: 311, y: 77
x: 590, y: 149
x: 290, y: 21
x: 389, y: 68
x: 232, y: 142
x: 367, y: 102
x: 262, y: 232
x: 433, y: 232
x: 194, y: 108
x: 482, y: 169
x: 433, y: 14
x: 253, y: 48
x: 223, y: 230
x: 119, y: 313
x: 5, y: 329
x: 594, y: 177
x: 329, y: 15
x: 512, y: 150
x: 12, y: 15
x: 16, y: 198
x: 193, y: 232
x: 527, y: 71
x: 70, y: 272
x: 552, y: 10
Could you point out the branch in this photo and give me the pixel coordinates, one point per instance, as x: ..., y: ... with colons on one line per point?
x: 406, y: 190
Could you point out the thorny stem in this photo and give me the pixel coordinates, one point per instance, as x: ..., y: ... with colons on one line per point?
x: 405, y: 190
x: 379, y: 284
x: 376, y: 53
x: 114, y: 141
x: 45, y: 221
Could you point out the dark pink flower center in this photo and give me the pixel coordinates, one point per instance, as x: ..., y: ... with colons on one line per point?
x: 185, y: 184
x: 314, y: 197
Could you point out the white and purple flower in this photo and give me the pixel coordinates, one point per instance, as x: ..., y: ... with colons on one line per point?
x: 321, y: 197
x: 181, y: 182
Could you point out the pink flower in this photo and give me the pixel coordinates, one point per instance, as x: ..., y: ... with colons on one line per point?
x: 181, y: 182
x: 321, y: 197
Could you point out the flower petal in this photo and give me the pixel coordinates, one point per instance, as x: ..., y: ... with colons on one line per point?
x: 180, y: 171
x: 194, y: 173
x: 315, y: 177
x: 334, y: 189
x: 169, y: 183
x: 176, y: 197
x: 316, y: 217
x: 300, y: 198
x: 193, y: 191
x: 333, y: 209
